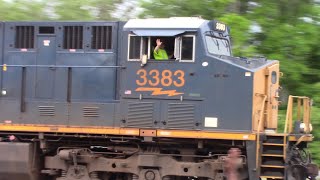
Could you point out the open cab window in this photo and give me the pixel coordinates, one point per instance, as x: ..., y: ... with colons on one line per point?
x: 178, y: 48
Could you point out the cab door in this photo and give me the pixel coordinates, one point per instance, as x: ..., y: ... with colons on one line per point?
x: 45, y: 75
x: 273, y: 95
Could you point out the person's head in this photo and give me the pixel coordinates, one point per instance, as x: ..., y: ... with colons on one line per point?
x: 162, y: 45
x: 158, y: 41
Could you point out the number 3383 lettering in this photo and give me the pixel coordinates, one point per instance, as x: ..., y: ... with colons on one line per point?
x: 164, y: 78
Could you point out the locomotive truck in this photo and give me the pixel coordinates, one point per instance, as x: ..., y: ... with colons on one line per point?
x: 88, y: 101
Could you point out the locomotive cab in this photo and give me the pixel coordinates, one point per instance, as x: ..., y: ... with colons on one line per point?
x: 199, y: 86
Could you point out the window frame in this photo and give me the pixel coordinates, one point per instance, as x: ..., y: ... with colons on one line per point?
x: 149, y: 47
x: 141, y: 47
x: 207, y: 47
x: 193, y: 48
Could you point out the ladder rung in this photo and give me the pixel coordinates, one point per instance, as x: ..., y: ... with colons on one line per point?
x: 272, y: 166
x: 273, y: 155
x: 272, y: 144
x: 272, y: 177
x: 276, y: 134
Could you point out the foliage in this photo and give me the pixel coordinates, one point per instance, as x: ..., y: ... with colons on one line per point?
x: 169, y: 8
x: 80, y: 10
x: 21, y: 10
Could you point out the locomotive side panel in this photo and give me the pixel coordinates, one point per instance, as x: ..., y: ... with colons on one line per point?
x: 227, y: 104
x: 62, y: 73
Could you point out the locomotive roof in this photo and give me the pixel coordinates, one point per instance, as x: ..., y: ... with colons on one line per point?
x: 165, y: 23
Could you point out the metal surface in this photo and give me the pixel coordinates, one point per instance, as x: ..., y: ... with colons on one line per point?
x: 19, y: 161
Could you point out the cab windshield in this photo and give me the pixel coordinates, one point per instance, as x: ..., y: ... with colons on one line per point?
x: 217, y: 46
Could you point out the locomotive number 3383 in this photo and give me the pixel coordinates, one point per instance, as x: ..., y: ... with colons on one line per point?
x: 155, y: 77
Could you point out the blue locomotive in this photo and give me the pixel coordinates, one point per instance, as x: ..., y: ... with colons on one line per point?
x: 90, y: 101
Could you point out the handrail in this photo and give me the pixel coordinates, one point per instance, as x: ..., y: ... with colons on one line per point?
x: 260, y: 121
x: 303, y: 103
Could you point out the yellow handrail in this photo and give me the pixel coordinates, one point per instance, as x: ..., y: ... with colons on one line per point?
x: 301, y: 101
x: 260, y: 121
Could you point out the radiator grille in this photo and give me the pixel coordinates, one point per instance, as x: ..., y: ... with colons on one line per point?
x: 46, y: 110
x: 181, y: 116
x: 140, y: 114
x: 90, y: 111
x: 24, y: 37
x: 101, y: 37
x: 73, y: 37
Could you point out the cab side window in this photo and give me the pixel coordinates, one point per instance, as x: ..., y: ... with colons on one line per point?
x: 178, y: 48
x: 187, y: 48
x: 137, y: 47
x: 134, y: 47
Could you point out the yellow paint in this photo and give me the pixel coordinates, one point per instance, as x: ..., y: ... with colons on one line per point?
x: 68, y: 129
x: 205, y: 135
x: 134, y: 132
x: 271, y: 177
x: 4, y: 67
x: 305, y: 138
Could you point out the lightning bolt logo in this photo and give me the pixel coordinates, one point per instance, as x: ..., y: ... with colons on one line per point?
x: 159, y: 91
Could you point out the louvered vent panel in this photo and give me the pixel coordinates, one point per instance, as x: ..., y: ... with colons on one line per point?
x: 101, y: 37
x: 90, y: 111
x: 140, y: 114
x: 24, y: 37
x: 46, y: 110
x: 73, y: 37
x: 181, y: 116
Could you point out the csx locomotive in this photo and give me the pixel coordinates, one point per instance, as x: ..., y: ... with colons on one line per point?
x: 88, y: 101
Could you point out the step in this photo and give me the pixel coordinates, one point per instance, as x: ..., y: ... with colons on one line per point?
x: 272, y: 144
x: 271, y: 171
x: 273, y: 155
x: 276, y: 134
x: 271, y: 177
x: 274, y: 139
x: 271, y: 166
x: 276, y: 161
x: 272, y: 150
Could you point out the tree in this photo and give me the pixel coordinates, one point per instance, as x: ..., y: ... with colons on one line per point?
x: 105, y: 8
x: 73, y: 10
x: 22, y: 10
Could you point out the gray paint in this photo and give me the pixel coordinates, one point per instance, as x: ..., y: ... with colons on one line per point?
x: 1, y: 49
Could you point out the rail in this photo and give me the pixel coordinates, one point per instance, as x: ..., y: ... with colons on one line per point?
x: 260, y: 123
x: 303, y: 107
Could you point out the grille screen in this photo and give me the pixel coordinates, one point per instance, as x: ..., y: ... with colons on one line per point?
x: 73, y: 37
x: 24, y: 37
x: 101, y: 37
x: 181, y: 116
x: 140, y: 114
x: 46, y: 110
x: 90, y: 111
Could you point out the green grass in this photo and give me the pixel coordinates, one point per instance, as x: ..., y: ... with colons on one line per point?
x: 315, y: 120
